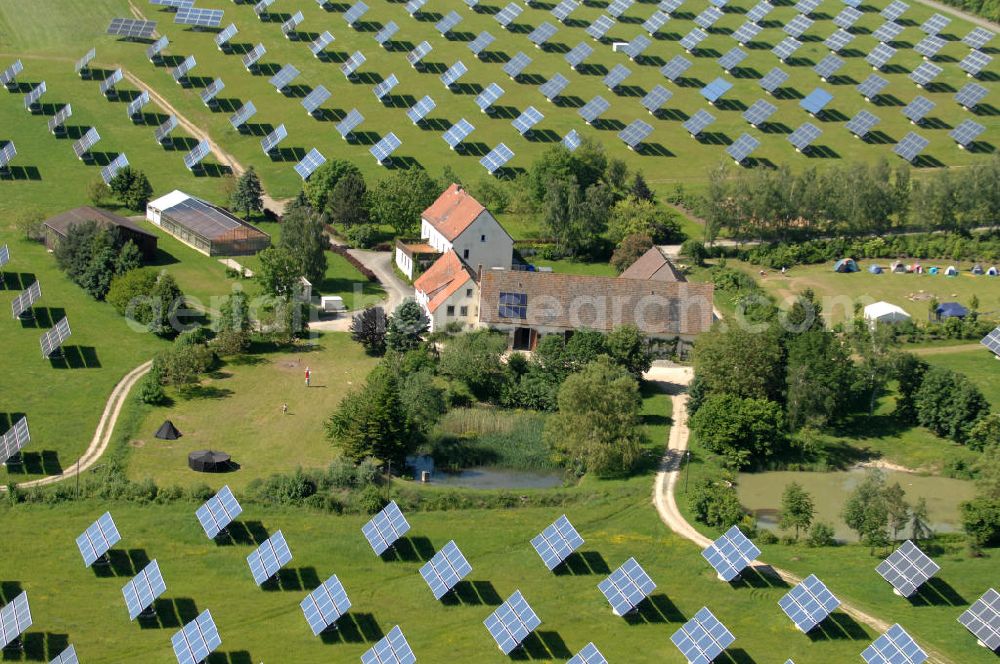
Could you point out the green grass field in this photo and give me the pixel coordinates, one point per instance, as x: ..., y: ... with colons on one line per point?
x: 912, y: 292
x: 979, y: 365
x: 48, y: 54
x: 261, y: 439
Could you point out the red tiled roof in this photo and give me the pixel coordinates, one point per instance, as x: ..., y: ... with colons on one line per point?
x: 443, y: 278
x: 652, y: 266
x: 570, y: 302
x: 453, y: 212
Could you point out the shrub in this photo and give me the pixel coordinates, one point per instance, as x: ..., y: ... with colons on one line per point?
x: 767, y: 537
x: 371, y: 499
x: 821, y: 534
x: 714, y: 503
x: 150, y: 390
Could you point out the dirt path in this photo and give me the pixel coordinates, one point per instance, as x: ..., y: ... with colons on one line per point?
x: 102, y: 436
x: 946, y: 350
x: 674, y: 381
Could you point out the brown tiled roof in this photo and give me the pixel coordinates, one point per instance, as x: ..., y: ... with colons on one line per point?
x: 570, y: 302
x: 453, y: 212
x: 61, y: 223
x: 445, y: 276
x: 652, y: 266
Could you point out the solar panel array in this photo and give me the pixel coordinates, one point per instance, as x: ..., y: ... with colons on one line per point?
x: 325, y: 605
x: 391, y: 649
x: 714, y: 90
x: 196, y: 155
x: 847, y: 17
x: 481, y: 42
x: 589, y: 654
x: 593, y: 109
x: 977, y: 38
x: 55, y: 337
x: 512, y: 622
x: 445, y: 569
x: 707, y: 18
x: 285, y: 75
x: 557, y: 542
x: 109, y: 172
x: 759, y: 112
x: 496, y: 158
x: 786, y: 48
x: 83, y: 62
x: 247, y: 111
x: 509, y: 14
x: 349, y: 123
x: 10, y: 73
x: 218, y: 512
x: 212, y: 91
x: 317, y: 46
x: 656, y: 98
x: 455, y: 72
x: 155, y: 50
x: 626, y: 587
x: 448, y: 22
x: 143, y: 589
x: 254, y: 56
x: 414, y: 6
x: 691, y: 40
x: 198, y: 17
x: 616, y: 76
x: 313, y: 160
x: 862, y: 123
x: 516, y: 65
x: 887, y: 32
x: 67, y: 656
x: 135, y: 106
x: 184, y: 68
x: 489, y: 96
x: 636, y: 132
x: 564, y: 9
x: 353, y: 63
x: 553, y: 87
x: 383, y: 150
x: 929, y: 46
x: 759, y: 11
x: 983, y: 617
x: 14, y: 439
x: 419, y: 111
x: 697, y: 123
x: 816, y: 101
x: 528, y: 118
x: 894, y: 647
x: 224, y: 37
x: 730, y: 554
x: 907, y: 568
x: 871, y: 87
x: 355, y: 12
x: 732, y: 58
x: 742, y: 147
x: 773, y: 79
x: 385, y: 87
x: 108, y: 84
x: 15, y: 618
x: 26, y: 298
x: 269, y: 557
x: 273, y: 139
x: 98, y: 538
x: 163, y: 131
x: 87, y: 141
x: 619, y: 7
x: 703, y: 638
x: 828, y: 66
x: 910, y: 147
x: 637, y: 46
x: 804, y: 136
x: 571, y: 141
x: 261, y: 7
x: 935, y: 24
x: 600, y: 27
x: 383, y: 529
x: 918, y: 109
x: 418, y: 53
x: 925, y: 73
x: 975, y: 62
x: 131, y: 28
x: 809, y: 603
x: 880, y: 55
x: 196, y: 640
x: 797, y: 26
x: 966, y: 132
x: 34, y: 95
x: 894, y: 10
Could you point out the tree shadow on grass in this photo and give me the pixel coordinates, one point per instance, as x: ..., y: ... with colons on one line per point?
x: 353, y: 627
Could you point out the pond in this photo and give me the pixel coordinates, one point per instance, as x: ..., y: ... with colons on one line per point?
x: 484, y: 477
x: 761, y: 494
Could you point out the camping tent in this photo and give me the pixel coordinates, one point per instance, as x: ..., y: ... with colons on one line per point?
x: 898, y: 267
x: 168, y: 431
x: 883, y: 312
x: 875, y: 269
x: 951, y: 310
x: 207, y: 461
x: 933, y: 270
x: 992, y: 272
x: 845, y: 265
x: 952, y: 271
x: 977, y: 269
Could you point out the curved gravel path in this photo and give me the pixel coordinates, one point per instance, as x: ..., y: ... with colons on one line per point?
x: 674, y: 381
x: 102, y: 436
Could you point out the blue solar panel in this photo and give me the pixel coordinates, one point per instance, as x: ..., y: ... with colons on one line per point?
x: 312, y: 101
x: 557, y: 541
x: 703, y: 638
x: 267, y: 144
x: 219, y: 510
x: 392, y: 649
x: 911, y: 145
x: 98, y: 539
x: 600, y: 27
x: 675, y: 67
x: 691, y: 40
x: 239, y: 118
x: 419, y: 52
x: 457, y: 133
x: 697, y: 122
x: 593, y: 109
x: 385, y: 87
x: 512, y: 622
x: 786, y: 48
x: 918, y: 109
x: 983, y: 617
x: 196, y: 640
x: 656, y: 98
x: 455, y: 72
x: 714, y: 90
x: 637, y: 46
x: 730, y: 554
x: 759, y: 112
x: 894, y: 647
x: 349, y: 123
x: 516, y: 66
x: 387, y: 32
x: 862, y: 123
x: 445, y: 569
x: 325, y: 605
x: 385, y: 528
x: 553, y: 87
x: 528, y: 118
x: 966, y: 132
x: 626, y: 587
x: 143, y: 589
x: 383, y: 150
x: 481, y: 42
x: 269, y: 557
x: 742, y: 147
x: 542, y: 34
x: 809, y: 603
x: 509, y: 14
x: 576, y: 55
x: 872, y: 86
x: 773, y: 79
x: 15, y: 618
x: 489, y: 96
x: 907, y: 568
x: 616, y: 76
x: 497, y: 157
x: 588, y: 655
x: 313, y: 160
x: 816, y: 101
x: 420, y: 110
x: 571, y: 141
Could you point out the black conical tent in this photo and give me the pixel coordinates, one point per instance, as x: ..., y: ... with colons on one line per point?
x: 207, y: 461
x: 168, y: 431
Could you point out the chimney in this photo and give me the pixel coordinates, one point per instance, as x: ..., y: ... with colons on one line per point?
x: 479, y: 273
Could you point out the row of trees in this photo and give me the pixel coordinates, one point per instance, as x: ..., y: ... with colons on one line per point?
x: 853, y: 199
x: 92, y: 255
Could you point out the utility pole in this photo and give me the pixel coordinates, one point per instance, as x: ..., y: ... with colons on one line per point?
x: 687, y: 469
